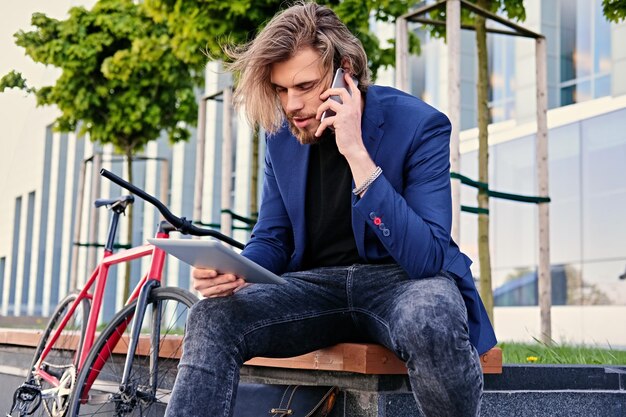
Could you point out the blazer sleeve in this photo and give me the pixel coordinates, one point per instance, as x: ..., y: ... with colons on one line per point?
x: 414, y: 223
x: 271, y: 243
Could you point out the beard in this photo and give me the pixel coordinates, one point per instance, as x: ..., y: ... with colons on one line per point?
x: 304, y: 136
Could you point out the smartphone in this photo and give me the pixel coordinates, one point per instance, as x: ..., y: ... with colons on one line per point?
x: 338, y: 82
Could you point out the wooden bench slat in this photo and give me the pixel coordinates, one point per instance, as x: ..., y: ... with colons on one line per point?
x: 360, y: 358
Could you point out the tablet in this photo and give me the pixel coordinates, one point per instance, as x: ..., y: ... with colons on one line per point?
x: 214, y: 255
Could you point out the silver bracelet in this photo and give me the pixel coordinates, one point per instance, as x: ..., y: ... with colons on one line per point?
x: 358, y: 190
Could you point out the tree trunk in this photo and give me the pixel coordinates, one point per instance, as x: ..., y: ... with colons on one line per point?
x: 129, y: 231
x: 482, y: 90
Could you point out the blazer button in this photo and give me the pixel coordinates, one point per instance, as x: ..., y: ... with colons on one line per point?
x: 372, y: 215
x: 386, y: 232
x: 381, y: 226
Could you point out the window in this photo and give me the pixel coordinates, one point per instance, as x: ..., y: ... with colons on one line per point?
x: 501, y: 77
x: 585, y: 51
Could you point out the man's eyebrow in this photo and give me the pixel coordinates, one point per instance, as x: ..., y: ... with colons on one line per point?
x: 300, y: 84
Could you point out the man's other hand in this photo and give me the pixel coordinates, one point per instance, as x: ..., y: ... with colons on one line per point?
x: 209, y: 283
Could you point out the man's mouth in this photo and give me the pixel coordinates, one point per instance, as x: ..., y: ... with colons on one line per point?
x: 302, y: 121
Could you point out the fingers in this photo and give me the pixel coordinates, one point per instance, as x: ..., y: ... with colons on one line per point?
x: 209, y: 283
x: 341, y: 92
x: 201, y: 273
x: 354, y: 90
x: 351, y: 93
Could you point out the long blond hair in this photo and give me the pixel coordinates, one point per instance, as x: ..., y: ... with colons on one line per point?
x: 299, y: 26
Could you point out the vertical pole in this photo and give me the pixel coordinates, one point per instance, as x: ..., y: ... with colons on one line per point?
x: 200, y: 150
x: 402, y: 51
x: 93, y: 224
x: 78, y: 224
x: 165, y: 181
x: 545, y: 280
x: 227, y: 163
x: 453, y: 34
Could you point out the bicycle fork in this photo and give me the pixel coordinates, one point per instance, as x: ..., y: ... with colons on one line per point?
x: 131, y: 394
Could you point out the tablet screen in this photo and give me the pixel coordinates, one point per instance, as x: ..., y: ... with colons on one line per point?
x: 214, y: 255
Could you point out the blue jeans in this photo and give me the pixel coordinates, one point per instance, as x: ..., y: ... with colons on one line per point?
x: 424, y: 321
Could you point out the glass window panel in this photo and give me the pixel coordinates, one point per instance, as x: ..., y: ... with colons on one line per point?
x: 564, y: 188
x: 568, y: 95
x: 519, y: 286
x: 469, y: 239
x: 604, y: 153
x: 515, y: 233
x: 602, y: 41
x: 604, y: 228
x: 568, y: 39
x: 515, y: 166
x: 515, y: 286
x: 565, y: 192
x: 514, y: 222
x: 583, y: 60
x: 601, y: 283
x: 604, y: 186
x: 602, y: 86
x: 469, y: 168
x: 583, y: 92
x: 564, y: 165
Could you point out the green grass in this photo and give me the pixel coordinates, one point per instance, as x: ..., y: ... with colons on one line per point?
x: 561, y: 354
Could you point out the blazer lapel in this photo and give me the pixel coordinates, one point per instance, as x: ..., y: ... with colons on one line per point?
x: 297, y: 156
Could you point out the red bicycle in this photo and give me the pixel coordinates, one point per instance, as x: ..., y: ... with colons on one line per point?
x: 129, y: 369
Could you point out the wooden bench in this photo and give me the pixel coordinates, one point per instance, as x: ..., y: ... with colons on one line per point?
x: 362, y: 358
x: 359, y: 358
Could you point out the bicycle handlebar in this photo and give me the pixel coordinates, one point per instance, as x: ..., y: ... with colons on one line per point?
x: 181, y: 224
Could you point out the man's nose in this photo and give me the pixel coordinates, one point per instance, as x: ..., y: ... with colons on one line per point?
x: 294, y: 102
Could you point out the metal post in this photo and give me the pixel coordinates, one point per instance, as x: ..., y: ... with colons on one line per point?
x: 200, y: 151
x: 227, y: 163
x: 402, y: 52
x: 453, y: 35
x: 165, y: 181
x: 78, y: 223
x: 545, y: 281
x: 93, y: 224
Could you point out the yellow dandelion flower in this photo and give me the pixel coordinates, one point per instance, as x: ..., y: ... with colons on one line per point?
x: 532, y: 358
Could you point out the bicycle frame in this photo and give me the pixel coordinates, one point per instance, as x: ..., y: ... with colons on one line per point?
x: 98, y: 280
x: 28, y: 396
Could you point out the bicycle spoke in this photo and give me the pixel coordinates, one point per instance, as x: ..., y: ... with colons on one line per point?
x: 138, y: 398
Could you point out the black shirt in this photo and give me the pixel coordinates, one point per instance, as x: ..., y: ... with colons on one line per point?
x: 330, y: 240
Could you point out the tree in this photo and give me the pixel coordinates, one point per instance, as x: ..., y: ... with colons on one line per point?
x: 513, y: 9
x: 206, y: 25
x: 120, y: 81
x: 614, y: 10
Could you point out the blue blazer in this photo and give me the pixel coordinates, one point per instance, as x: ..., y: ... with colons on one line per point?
x: 410, y: 141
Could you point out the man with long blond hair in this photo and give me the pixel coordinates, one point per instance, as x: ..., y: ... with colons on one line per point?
x: 355, y: 215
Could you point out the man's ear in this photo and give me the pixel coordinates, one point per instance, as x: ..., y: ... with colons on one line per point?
x: 346, y: 64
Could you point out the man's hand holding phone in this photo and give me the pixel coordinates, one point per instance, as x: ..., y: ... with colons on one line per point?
x: 209, y: 283
x: 341, y: 111
x: 347, y: 105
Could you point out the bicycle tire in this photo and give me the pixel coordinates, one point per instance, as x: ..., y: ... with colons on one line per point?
x: 61, y: 360
x: 104, y: 396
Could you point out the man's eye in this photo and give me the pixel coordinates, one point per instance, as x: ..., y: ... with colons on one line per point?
x: 280, y: 90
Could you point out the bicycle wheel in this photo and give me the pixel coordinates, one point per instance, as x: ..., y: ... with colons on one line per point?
x: 62, y: 358
x: 149, y: 385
